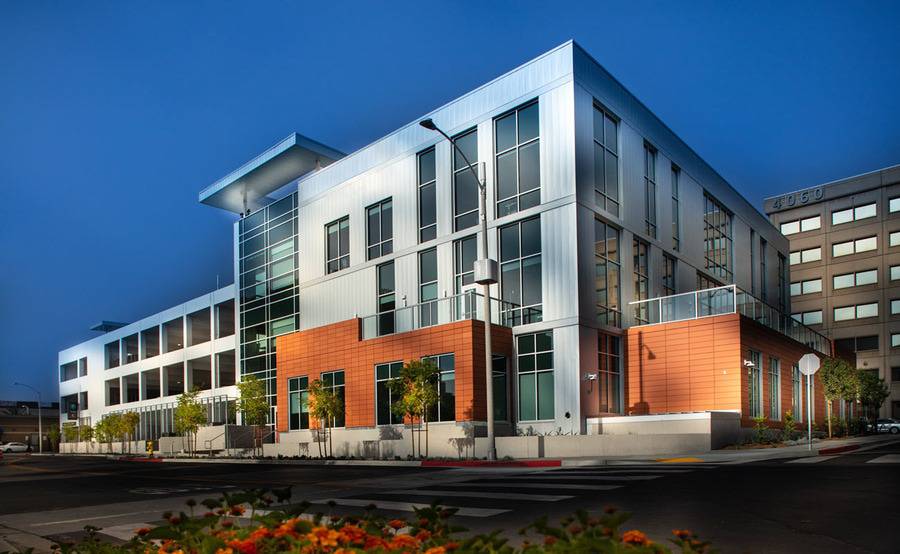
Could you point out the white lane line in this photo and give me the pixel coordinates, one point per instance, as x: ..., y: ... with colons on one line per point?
x: 811, y: 460
x: 591, y: 477
x: 409, y: 506
x: 536, y: 486
x: 886, y: 459
x: 45, y: 523
x: 485, y: 494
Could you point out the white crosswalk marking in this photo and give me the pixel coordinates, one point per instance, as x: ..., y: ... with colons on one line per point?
x: 567, y: 486
x: 485, y: 494
x: 811, y: 460
x: 410, y: 506
x: 886, y: 459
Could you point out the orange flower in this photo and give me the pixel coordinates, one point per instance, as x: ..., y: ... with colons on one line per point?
x: 287, y: 528
x: 237, y: 510
x: 423, y: 535
x: 373, y: 543
x: 451, y: 546
x: 228, y: 550
x: 436, y: 550
x: 396, y: 524
x: 322, y: 537
x: 400, y: 542
x: 635, y: 537
x: 352, y: 534
x: 245, y: 546
x: 142, y: 531
x: 682, y: 534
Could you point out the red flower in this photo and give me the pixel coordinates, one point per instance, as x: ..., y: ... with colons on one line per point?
x: 396, y: 524
x: 635, y: 537
x: 142, y: 531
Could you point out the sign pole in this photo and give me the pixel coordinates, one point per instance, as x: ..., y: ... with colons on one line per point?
x: 809, y: 412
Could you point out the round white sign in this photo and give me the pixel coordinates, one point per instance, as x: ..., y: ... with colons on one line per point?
x: 809, y: 364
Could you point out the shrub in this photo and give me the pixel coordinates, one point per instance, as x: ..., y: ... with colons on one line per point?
x: 787, y: 433
x: 759, y: 429
x: 428, y: 531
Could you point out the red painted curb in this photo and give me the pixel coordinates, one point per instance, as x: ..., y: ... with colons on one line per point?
x: 838, y: 449
x: 488, y: 463
x: 145, y: 460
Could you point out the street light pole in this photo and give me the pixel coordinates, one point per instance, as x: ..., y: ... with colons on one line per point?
x: 485, y: 280
x: 40, y: 424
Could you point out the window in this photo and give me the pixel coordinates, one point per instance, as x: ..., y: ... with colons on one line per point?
x: 894, y: 204
x: 859, y: 311
x: 801, y: 225
x: 84, y: 401
x: 298, y: 400
x: 806, y: 287
x: 895, y: 272
x: 428, y: 287
x: 717, y: 228
x: 500, y: 377
x: 641, y: 280
x: 225, y: 319
x: 796, y: 393
x: 111, y: 353
x: 782, y: 284
x: 806, y: 256
x: 464, y: 253
x: 895, y: 340
x: 427, y: 196
x: 132, y: 388
x: 518, y: 159
x: 174, y: 379
x: 150, y: 384
x: 465, y: 186
x: 334, y: 381
x: 813, y: 317
x: 200, y: 373
x: 173, y: 335
x: 853, y: 214
x: 82, y: 367
x: 853, y: 246
x: 379, y: 229
x: 337, y: 245
x: 763, y: 272
x: 520, y: 269
x: 894, y: 238
x: 225, y: 368
x: 895, y: 307
x: 198, y: 327
x: 668, y: 276
x: 445, y: 410
x: 609, y: 365
x: 130, y: 349
x: 754, y: 375
x: 386, y: 299
x: 607, y: 273
x: 857, y: 279
x: 113, y: 392
x: 535, y: 366
x: 774, y: 389
x: 853, y: 345
x: 676, y: 215
x: 650, y: 190
x: 149, y: 343
x: 606, y: 160
x: 383, y: 394
x: 895, y: 374
x: 68, y: 371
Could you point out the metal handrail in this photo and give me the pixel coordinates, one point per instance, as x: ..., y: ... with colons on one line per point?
x: 208, y: 442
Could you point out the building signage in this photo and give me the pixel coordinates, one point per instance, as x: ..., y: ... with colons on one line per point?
x: 798, y: 198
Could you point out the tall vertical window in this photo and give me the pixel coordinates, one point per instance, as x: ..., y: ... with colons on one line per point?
x: 676, y: 214
x: 607, y: 274
x: 379, y: 229
x: 641, y: 280
x: 717, y: 240
x: 782, y: 283
x: 754, y: 388
x: 386, y: 299
x: 517, y: 149
x: 763, y: 273
x: 796, y: 393
x: 112, y: 354
x: 298, y: 403
x: 520, y: 269
x: 609, y: 360
x: 606, y: 160
x: 649, y: 190
x: 334, y: 381
x: 535, y: 366
x: 465, y: 186
x: 337, y: 245
x: 427, y: 196
x: 445, y: 409
x: 774, y: 389
x: 384, y: 373
x: 465, y: 251
x: 668, y: 276
x: 428, y: 287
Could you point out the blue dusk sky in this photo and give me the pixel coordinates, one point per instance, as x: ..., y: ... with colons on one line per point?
x: 114, y: 115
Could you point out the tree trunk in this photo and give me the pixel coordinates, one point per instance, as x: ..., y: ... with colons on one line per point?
x: 425, y: 417
x: 828, y: 415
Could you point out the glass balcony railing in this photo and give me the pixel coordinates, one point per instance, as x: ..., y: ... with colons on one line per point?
x: 727, y: 300
x: 467, y: 305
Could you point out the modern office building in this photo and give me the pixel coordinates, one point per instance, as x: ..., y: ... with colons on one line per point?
x: 346, y: 266
x: 845, y: 267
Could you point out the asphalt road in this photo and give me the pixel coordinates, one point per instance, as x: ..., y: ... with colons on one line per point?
x: 844, y: 503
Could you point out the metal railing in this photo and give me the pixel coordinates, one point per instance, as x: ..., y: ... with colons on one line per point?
x: 727, y: 300
x: 467, y: 305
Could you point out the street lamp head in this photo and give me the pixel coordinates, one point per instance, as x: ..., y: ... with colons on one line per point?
x: 428, y: 124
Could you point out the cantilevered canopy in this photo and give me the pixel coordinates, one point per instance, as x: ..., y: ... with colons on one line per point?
x: 249, y: 185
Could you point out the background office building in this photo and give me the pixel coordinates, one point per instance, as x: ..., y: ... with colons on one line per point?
x: 347, y: 266
x: 845, y: 267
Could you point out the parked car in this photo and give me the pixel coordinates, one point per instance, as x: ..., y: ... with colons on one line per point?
x: 887, y: 425
x: 15, y: 447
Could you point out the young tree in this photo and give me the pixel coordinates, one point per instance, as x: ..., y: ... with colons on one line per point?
x: 85, y: 433
x: 325, y: 404
x: 253, y: 404
x: 839, y: 380
x: 104, y: 432
x: 70, y: 433
x: 417, y: 391
x: 189, y: 416
x: 129, y: 423
x: 872, y: 392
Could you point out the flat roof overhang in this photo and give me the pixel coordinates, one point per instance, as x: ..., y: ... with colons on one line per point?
x: 293, y: 157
